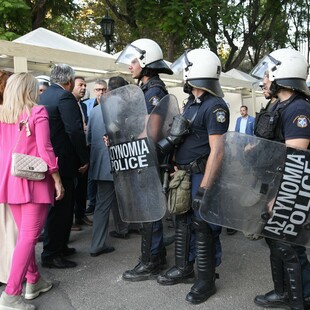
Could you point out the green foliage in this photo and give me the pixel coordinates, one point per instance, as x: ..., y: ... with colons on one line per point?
x: 15, y: 18
x: 239, y: 31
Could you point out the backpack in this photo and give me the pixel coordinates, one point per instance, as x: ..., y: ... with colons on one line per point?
x: 268, y: 124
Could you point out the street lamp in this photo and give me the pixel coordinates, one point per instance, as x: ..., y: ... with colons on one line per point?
x: 107, y: 29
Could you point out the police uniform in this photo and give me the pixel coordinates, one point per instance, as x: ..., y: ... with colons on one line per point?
x: 295, y: 124
x: 153, y: 256
x: 289, y: 263
x: 154, y: 90
x: 209, y: 115
x: 149, y: 55
x: 212, y: 118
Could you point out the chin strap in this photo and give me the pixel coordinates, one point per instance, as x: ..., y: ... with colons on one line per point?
x: 187, y: 88
x: 274, y: 89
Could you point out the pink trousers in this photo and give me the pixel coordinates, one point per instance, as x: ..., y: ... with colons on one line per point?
x: 30, y: 219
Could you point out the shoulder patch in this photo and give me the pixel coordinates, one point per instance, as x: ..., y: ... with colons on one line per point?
x: 220, y: 115
x: 302, y: 121
x: 154, y: 101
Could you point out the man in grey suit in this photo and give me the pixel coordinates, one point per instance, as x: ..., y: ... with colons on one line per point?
x: 100, y: 171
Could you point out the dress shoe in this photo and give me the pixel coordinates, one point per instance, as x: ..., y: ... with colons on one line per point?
x: 58, y: 262
x: 115, y: 234
x: 68, y: 251
x: 90, y: 210
x: 84, y: 221
x: 75, y: 227
x: 106, y: 250
x: 272, y: 299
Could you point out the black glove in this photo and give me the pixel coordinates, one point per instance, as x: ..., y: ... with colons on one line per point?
x: 198, y: 197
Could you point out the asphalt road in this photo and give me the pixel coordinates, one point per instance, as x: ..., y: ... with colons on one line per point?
x: 96, y: 282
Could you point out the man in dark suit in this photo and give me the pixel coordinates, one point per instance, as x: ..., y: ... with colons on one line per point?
x: 82, y: 179
x: 68, y: 140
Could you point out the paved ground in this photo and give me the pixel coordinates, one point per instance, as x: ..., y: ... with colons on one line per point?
x: 97, y: 284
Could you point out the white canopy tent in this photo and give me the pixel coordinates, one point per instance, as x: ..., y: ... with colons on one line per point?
x: 38, y: 50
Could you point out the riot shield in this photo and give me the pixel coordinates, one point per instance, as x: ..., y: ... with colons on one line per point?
x: 261, y: 187
x: 161, y: 118
x: 132, y: 156
x: 158, y: 129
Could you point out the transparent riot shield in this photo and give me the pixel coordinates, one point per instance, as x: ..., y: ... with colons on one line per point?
x: 261, y: 187
x: 132, y: 155
x: 158, y: 129
x: 161, y: 118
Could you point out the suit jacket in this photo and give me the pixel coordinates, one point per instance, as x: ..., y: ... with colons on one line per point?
x: 90, y: 103
x: 100, y: 168
x: 66, y: 126
x: 249, y: 130
x: 37, y: 144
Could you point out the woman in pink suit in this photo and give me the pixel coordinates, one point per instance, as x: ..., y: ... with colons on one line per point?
x: 28, y: 200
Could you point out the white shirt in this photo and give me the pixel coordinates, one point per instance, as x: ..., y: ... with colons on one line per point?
x: 243, y: 124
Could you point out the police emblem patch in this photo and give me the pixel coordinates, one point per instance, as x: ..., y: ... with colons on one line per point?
x: 302, y: 121
x: 154, y: 101
x: 220, y: 116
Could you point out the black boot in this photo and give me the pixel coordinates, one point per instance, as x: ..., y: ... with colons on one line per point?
x: 149, y: 265
x: 204, y: 286
x: 277, y: 297
x: 183, y: 271
x: 294, y: 285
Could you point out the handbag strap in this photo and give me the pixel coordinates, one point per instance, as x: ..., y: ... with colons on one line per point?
x: 22, y: 123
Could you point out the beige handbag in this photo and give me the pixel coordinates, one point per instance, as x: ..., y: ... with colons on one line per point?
x: 27, y: 166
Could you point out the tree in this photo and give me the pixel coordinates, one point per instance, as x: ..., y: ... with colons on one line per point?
x: 15, y: 18
x: 240, y: 32
x: 244, y: 29
x: 21, y: 16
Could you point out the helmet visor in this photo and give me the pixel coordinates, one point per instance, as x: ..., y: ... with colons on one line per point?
x: 265, y: 65
x: 182, y: 63
x: 129, y: 54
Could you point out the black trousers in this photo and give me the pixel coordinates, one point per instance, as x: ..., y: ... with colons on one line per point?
x: 58, y: 223
x: 81, y: 195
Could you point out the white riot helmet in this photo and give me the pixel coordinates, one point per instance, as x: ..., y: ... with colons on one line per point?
x: 148, y: 53
x: 43, y: 80
x: 201, y: 69
x: 285, y: 68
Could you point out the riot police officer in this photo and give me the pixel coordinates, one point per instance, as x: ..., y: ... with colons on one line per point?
x: 145, y: 59
x: 286, y: 69
x: 209, y: 117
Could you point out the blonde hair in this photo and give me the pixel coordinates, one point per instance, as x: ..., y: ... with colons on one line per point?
x: 20, y: 95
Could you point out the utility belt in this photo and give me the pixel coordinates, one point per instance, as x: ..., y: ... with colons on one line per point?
x: 196, y: 166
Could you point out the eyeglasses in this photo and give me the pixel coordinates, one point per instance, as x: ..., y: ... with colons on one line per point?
x: 100, y: 89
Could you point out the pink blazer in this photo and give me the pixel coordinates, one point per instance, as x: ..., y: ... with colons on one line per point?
x: 15, y: 190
